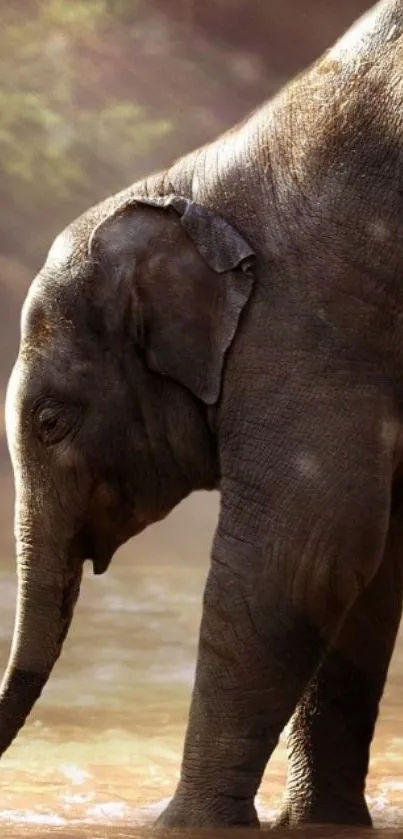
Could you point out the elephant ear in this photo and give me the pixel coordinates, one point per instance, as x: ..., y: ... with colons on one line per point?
x: 220, y: 245
x: 190, y: 280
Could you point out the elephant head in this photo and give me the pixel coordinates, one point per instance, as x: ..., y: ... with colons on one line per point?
x: 124, y: 333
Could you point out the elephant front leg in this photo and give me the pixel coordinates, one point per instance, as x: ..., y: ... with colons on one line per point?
x: 332, y: 729
x: 269, y: 614
x: 244, y: 693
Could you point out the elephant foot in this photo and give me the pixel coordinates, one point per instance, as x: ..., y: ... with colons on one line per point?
x: 324, y: 811
x: 205, y: 812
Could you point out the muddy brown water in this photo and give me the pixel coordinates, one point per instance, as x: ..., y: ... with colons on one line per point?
x: 100, y: 754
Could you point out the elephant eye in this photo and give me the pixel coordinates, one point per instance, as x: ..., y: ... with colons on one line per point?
x: 53, y: 421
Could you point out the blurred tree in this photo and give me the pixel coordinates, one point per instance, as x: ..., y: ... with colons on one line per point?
x: 59, y: 127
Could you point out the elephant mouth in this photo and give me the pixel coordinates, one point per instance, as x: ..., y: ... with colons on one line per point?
x: 100, y: 563
x: 99, y: 548
x: 98, y: 551
x: 101, y: 555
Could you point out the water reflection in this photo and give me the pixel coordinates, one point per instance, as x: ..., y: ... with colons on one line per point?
x: 100, y: 754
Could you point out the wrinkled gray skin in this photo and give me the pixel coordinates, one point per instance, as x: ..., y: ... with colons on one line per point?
x: 158, y: 357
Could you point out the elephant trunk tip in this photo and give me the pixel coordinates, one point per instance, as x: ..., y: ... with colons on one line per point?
x: 13, y: 712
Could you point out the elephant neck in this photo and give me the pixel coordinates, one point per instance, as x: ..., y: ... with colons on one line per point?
x: 221, y: 175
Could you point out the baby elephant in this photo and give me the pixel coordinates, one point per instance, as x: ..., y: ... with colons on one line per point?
x: 235, y: 322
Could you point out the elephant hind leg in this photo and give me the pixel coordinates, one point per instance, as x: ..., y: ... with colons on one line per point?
x: 331, y: 731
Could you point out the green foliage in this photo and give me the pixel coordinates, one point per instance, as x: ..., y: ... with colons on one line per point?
x: 54, y: 116
x: 75, y: 14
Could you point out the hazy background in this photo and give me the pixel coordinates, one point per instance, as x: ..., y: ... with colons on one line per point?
x: 93, y: 95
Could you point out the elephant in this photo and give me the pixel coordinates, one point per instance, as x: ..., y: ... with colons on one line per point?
x: 234, y: 323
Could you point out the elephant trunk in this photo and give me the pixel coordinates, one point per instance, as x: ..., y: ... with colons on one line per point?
x: 45, y: 605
